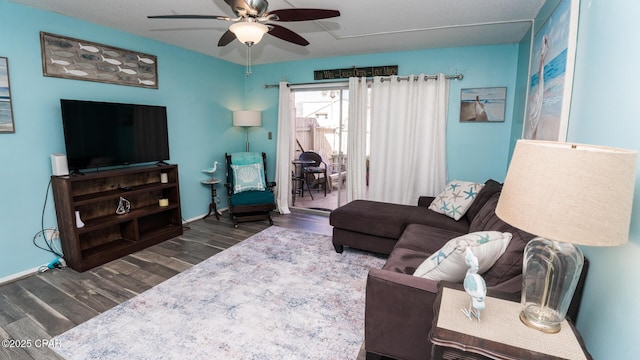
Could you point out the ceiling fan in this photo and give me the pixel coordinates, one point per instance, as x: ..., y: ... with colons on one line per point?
x: 253, y: 19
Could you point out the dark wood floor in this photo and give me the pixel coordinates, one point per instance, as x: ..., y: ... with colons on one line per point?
x: 45, y: 305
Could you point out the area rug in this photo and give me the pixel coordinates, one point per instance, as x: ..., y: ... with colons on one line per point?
x: 280, y: 294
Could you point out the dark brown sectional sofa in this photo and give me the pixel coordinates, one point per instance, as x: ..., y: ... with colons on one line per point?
x: 399, y: 306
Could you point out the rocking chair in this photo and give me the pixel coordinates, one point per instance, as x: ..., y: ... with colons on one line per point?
x: 250, y: 195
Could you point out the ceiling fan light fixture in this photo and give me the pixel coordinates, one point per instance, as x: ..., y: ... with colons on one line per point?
x: 249, y: 33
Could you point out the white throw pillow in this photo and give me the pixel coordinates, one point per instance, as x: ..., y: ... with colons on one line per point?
x: 447, y: 264
x: 456, y: 198
x: 248, y: 177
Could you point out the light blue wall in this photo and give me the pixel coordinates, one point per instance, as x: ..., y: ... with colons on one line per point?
x: 198, y: 91
x: 521, y: 91
x: 475, y: 151
x: 604, y: 111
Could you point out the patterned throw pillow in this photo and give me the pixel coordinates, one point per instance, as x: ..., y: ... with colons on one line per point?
x: 248, y: 177
x: 447, y: 264
x: 456, y: 198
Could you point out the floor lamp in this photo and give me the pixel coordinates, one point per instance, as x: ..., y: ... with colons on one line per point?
x: 247, y: 119
x: 566, y: 194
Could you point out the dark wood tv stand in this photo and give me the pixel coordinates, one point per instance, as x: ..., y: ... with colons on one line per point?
x: 106, y: 235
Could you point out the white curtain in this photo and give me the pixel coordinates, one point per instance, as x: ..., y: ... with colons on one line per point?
x: 284, y: 151
x: 357, y: 139
x: 408, y: 132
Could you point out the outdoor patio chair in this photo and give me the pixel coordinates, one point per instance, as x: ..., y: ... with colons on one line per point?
x: 315, y: 174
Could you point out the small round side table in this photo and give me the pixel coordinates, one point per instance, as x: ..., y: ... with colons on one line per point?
x: 213, y: 206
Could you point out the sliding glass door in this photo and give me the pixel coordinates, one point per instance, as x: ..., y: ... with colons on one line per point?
x: 321, y: 127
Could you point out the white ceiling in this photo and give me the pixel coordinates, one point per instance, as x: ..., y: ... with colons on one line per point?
x: 365, y: 26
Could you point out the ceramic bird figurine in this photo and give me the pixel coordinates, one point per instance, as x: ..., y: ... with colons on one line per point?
x: 475, y: 286
x: 212, y: 170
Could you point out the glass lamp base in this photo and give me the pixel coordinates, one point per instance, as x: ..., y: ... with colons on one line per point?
x: 532, y: 322
x: 550, y: 274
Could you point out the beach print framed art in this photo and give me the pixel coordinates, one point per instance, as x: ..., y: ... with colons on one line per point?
x: 483, y: 104
x: 70, y: 58
x: 551, y: 74
x: 6, y: 109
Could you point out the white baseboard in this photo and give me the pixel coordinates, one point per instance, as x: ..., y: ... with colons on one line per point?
x: 203, y: 215
x: 18, y: 276
x: 186, y: 221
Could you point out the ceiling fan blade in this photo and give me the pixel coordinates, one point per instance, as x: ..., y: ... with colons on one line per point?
x: 287, y: 35
x: 218, y: 17
x: 226, y: 38
x: 303, y: 14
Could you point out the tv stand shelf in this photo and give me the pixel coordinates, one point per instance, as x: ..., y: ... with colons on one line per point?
x: 105, y: 221
x: 116, y: 194
x: 106, y: 235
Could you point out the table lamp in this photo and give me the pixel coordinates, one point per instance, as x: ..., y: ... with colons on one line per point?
x: 566, y: 194
x: 247, y: 119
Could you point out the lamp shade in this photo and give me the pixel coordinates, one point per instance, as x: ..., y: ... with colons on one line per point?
x: 248, y: 32
x: 247, y: 118
x: 573, y: 193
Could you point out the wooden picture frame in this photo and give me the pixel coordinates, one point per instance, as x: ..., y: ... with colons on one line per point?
x: 70, y: 58
x: 6, y: 108
x: 483, y: 105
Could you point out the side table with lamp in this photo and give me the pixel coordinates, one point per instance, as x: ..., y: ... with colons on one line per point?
x: 499, y: 335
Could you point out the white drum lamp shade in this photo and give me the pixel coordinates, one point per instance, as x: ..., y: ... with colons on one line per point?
x: 566, y: 194
x: 247, y: 119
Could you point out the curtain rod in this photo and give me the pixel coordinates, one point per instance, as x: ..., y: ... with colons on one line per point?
x: 426, y: 77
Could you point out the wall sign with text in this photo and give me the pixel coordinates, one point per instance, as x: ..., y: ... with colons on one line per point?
x: 370, y: 71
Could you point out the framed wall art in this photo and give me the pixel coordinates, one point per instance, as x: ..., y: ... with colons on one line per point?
x: 70, y: 58
x: 551, y: 74
x: 6, y: 109
x: 483, y: 104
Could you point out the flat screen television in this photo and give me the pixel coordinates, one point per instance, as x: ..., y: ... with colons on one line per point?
x: 103, y: 134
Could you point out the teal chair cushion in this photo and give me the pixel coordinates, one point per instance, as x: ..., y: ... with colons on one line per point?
x: 246, y: 158
x: 252, y: 198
